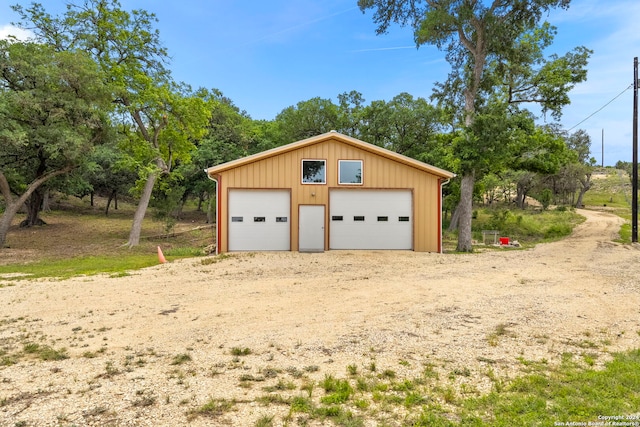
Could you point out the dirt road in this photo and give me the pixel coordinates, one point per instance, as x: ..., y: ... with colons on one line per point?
x: 307, y: 314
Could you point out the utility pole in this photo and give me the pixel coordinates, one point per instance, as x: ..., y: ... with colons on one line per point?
x: 602, y: 148
x: 634, y: 178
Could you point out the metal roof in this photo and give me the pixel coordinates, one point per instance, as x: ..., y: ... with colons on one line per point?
x: 333, y: 135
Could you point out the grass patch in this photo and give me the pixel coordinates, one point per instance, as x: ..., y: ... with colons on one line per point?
x: 44, y: 352
x: 238, y: 351
x: 75, y: 228
x: 114, y: 265
x: 528, y: 227
x: 565, y: 394
x: 181, y: 358
x: 214, y: 408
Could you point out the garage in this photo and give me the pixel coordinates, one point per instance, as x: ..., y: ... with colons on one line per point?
x: 259, y: 220
x: 370, y: 219
x: 329, y: 191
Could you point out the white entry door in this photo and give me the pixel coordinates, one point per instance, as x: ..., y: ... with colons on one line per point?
x: 259, y: 220
x: 370, y: 219
x: 311, y: 231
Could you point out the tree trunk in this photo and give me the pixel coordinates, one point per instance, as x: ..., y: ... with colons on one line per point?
x: 465, y: 208
x: 12, y: 206
x: 585, y: 185
x: 34, y: 205
x: 111, y: 196
x: 455, y: 218
x: 5, y: 222
x: 141, y: 210
x: 46, y: 206
x: 211, y: 210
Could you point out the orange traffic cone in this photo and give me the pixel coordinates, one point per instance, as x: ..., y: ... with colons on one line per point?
x: 161, y: 257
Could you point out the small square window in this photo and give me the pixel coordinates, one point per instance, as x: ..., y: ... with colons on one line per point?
x: 350, y: 172
x: 314, y: 172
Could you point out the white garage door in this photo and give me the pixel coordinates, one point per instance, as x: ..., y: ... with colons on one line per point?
x: 370, y: 219
x: 259, y: 220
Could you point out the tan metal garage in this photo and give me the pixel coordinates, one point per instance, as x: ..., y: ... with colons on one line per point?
x: 291, y: 198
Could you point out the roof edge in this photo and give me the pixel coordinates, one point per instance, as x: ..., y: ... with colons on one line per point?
x: 326, y: 136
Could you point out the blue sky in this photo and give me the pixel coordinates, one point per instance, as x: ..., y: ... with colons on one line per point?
x: 266, y: 56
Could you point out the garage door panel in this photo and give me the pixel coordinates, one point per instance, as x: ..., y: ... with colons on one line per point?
x: 371, y: 219
x: 259, y: 220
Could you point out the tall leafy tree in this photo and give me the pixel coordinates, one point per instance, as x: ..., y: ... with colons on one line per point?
x: 307, y: 119
x: 494, y: 47
x: 163, y: 117
x: 51, y: 115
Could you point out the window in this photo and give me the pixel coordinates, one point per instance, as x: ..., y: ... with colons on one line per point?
x: 383, y: 218
x: 259, y: 219
x: 314, y: 172
x: 281, y: 219
x: 350, y: 172
x: 358, y: 218
x: 336, y: 218
x: 236, y: 219
x: 403, y: 219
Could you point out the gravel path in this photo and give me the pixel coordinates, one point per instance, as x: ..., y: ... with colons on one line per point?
x: 148, y: 348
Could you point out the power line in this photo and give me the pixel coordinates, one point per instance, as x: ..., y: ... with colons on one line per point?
x: 603, y: 107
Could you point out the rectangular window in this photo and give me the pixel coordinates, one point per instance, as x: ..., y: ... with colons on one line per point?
x: 236, y: 219
x: 383, y: 218
x: 358, y: 218
x: 281, y: 219
x: 314, y: 171
x: 259, y: 219
x: 350, y: 172
x: 336, y: 218
x: 403, y: 219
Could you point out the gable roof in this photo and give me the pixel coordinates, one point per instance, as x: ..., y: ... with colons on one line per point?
x: 325, y: 137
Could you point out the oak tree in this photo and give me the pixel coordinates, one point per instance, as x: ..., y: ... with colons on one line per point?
x: 494, y: 47
x: 51, y: 116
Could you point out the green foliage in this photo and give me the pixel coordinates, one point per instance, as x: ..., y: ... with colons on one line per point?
x: 528, y: 227
x: 338, y: 391
x: 53, y: 110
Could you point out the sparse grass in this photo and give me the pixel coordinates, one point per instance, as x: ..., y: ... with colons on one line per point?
x: 264, y: 421
x: 179, y: 359
x: 215, y: 259
x: 44, y: 352
x: 238, y: 351
x: 214, y: 408
x: 501, y: 330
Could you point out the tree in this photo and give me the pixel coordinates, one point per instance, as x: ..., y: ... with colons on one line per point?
x: 51, y: 115
x: 482, y: 40
x: 163, y: 117
x: 580, y: 142
x: 307, y: 119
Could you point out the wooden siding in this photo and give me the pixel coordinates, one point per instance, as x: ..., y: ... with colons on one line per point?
x: 284, y: 170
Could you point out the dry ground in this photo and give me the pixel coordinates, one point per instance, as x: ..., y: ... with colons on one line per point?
x: 303, y: 316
